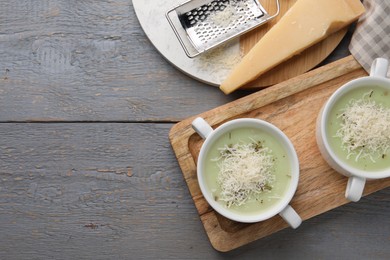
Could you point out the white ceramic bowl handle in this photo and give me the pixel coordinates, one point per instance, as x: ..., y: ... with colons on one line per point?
x: 291, y: 216
x: 202, y: 127
x: 379, y: 67
x: 355, y: 188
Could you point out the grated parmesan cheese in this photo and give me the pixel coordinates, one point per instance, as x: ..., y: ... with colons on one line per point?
x: 365, y: 128
x: 225, y: 17
x: 221, y: 59
x: 245, y: 171
x: 228, y: 15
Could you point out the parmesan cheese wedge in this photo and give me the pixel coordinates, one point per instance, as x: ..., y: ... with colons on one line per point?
x: 304, y: 24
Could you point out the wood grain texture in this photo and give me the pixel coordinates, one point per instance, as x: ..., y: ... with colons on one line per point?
x: 88, y: 60
x: 91, y: 191
x: 85, y: 191
x: 287, y: 106
x: 296, y: 65
x: 91, y: 61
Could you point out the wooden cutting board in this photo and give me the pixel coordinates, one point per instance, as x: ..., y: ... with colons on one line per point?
x: 292, y: 106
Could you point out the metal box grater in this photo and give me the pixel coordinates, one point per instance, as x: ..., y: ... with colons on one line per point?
x: 201, y: 25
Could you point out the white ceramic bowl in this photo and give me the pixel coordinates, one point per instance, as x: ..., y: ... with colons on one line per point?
x: 282, y: 207
x: 357, y: 177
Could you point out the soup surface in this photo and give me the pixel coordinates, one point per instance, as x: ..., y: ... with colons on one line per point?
x: 277, y: 170
x: 358, y: 128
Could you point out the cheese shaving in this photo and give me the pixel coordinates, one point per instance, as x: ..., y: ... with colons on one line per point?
x: 365, y: 128
x: 245, y: 172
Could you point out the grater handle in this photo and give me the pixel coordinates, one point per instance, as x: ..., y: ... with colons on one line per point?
x: 185, y: 42
x: 277, y: 10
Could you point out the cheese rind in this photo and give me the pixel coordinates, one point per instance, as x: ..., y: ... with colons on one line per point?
x: 304, y: 24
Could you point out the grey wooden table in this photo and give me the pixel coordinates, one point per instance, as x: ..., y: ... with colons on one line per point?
x: 86, y: 167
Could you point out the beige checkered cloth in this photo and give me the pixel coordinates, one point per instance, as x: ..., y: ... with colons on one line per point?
x: 371, y: 38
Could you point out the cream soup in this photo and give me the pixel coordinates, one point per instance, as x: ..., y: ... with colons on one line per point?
x: 356, y: 150
x: 279, y: 170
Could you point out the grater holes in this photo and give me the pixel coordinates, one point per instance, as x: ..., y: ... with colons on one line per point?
x: 206, y: 31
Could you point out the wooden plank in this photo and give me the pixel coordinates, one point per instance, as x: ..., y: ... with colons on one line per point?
x: 292, y: 106
x: 84, y: 191
x: 91, y: 191
x: 89, y: 60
